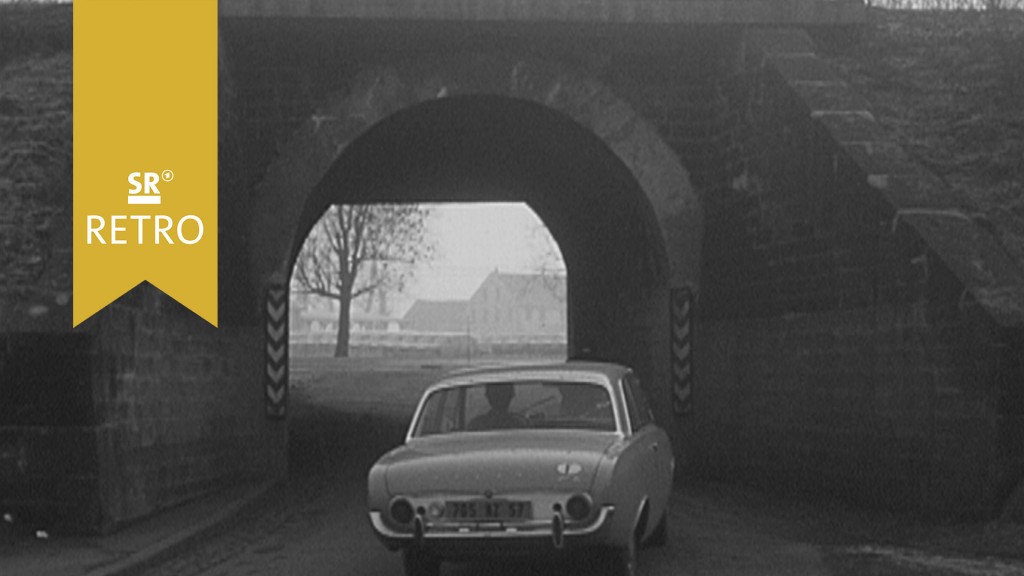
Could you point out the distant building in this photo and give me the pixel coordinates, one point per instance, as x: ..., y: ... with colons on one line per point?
x: 503, y: 305
x: 317, y: 317
x: 508, y: 314
x: 518, y: 304
x: 436, y: 316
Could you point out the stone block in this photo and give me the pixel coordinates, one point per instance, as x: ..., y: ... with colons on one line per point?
x: 850, y: 126
x: 880, y: 159
x: 804, y: 68
x: 829, y: 96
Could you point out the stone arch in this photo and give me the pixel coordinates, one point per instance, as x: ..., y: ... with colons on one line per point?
x: 282, y: 202
x: 613, y: 195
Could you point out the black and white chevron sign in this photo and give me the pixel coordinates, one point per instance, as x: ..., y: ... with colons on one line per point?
x: 276, y: 372
x: 682, y: 350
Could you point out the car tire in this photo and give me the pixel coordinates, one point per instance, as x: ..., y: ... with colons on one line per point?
x: 418, y: 562
x: 659, y: 537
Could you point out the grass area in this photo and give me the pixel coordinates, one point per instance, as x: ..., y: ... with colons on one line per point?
x: 950, y: 87
x: 31, y: 28
x: 35, y: 165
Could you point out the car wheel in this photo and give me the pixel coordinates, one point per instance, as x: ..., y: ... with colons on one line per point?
x: 660, y: 535
x: 417, y: 562
x: 623, y: 559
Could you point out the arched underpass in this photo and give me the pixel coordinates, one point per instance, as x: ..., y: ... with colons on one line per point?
x: 484, y: 148
x: 620, y: 257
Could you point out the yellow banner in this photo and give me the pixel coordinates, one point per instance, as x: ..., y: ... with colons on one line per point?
x: 145, y: 152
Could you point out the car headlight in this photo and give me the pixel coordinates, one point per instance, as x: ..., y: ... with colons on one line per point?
x: 401, y: 511
x: 579, y: 506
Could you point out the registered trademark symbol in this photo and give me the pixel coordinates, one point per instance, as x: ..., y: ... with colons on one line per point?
x: 167, y: 175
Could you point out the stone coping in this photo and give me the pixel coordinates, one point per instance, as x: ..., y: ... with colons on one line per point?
x: 793, y: 12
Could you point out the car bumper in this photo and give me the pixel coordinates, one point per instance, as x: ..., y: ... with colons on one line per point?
x: 473, y: 540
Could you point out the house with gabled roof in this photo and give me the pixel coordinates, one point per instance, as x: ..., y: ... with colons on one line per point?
x: 436, y: 316
x: 504, y: 305
x: 518, y: 304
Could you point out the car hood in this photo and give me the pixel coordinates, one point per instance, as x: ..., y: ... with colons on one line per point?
x: 499, y: 462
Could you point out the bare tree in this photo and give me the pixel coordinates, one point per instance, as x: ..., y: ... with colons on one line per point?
x: 548, y: 262
x: 356, y: 250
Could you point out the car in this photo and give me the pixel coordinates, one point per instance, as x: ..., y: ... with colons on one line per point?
x: 526, y: 460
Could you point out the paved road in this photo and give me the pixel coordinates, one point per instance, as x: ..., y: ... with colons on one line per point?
x: 345, y: 414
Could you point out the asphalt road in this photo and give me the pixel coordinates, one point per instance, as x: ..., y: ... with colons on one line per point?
x: 345, y: 414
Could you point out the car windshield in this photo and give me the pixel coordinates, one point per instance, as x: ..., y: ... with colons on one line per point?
x: 516, y: 405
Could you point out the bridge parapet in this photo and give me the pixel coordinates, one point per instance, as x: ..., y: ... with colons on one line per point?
x: 775, y: 12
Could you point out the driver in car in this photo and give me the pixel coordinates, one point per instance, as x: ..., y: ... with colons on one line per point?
x: 499, y: 396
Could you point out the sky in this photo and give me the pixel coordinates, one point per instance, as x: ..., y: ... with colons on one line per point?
x: 472, y: 240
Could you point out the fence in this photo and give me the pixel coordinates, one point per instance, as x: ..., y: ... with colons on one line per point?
x: 378, y: 344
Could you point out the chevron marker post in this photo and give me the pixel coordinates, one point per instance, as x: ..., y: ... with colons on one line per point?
x: 682, y: 350
x: 276, y: 373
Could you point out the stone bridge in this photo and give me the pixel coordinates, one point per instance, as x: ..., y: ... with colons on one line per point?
x: 809, y: 308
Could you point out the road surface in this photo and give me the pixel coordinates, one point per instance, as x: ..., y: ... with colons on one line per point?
x: 343, y: 414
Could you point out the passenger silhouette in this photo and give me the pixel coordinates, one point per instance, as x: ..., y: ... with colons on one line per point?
x: 499, y: 396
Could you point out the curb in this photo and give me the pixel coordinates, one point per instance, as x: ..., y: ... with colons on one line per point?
x: 138, y: 561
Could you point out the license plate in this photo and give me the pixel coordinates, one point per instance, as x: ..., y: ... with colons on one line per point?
x: 488, y: 510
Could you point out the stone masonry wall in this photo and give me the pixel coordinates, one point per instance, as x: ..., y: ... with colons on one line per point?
x: 142, y: 407
x: 837, y: 351
x: 180, y: 405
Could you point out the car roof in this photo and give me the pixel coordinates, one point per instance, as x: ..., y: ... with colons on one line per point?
x: 608, y: 371
x: 605, y: 374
